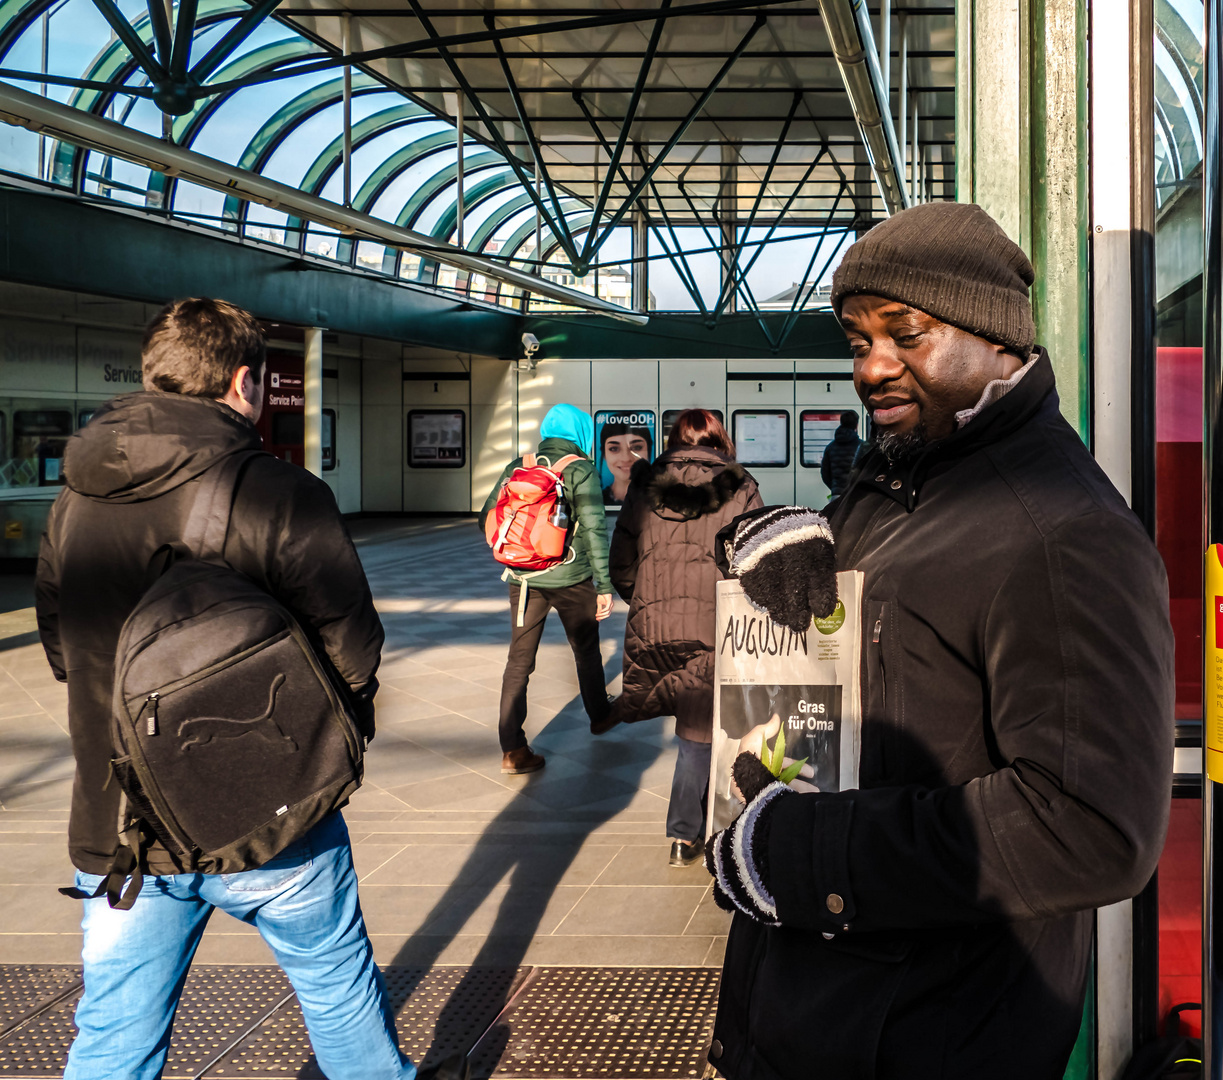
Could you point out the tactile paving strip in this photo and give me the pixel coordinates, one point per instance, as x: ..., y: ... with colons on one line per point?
x: 572, y: 1023
x: 219, y: 1005
x: 600, y: 1022
x: 26, y: 989
x: 437, y: 1012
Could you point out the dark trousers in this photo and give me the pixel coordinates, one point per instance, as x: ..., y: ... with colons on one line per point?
x: 686, y: 810
x: 575, y: 604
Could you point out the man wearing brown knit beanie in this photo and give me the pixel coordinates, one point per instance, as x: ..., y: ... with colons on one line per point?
x: 1017, y: 701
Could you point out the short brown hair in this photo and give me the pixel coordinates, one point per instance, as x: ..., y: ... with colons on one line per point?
x: 699, y: 427
x: 194, y: 347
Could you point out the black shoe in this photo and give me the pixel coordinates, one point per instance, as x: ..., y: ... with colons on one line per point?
x: 685, y: 852
x: 454, y: 1067
x: 601, y: 727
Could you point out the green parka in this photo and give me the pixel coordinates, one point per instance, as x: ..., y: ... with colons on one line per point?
x: 585, y: 496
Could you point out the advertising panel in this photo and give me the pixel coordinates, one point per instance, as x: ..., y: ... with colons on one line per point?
x: 622, y: 438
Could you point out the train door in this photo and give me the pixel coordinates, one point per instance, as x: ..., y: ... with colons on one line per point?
x: 760, y: 397
x: 437, y: 436
x: 824, y: 390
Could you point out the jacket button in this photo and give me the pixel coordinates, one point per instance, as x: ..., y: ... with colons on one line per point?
x: 880, y: 478
x: 715, y: 1049
x: 835, y: 904
x: 895, y: 485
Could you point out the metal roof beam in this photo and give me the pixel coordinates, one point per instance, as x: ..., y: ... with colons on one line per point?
x: 184, y: 36
x: 647, y: 61
x: 849, y: 30
x: 541, y: 168
x: 436, y: 42
x: 660, y: 157
x: 232, y: 38
x: 126, y: 33
x: 489, y: 125
x: 51, y: 118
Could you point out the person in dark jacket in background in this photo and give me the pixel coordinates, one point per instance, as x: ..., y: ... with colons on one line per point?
x: 579, y: 588
x: 1017, y: 699
x: 662, y: 565
x: 130, y: 486
x: 840, y: 455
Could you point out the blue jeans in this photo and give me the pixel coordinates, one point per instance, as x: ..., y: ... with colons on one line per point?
x: 690, y: 782
x: 304, y: 904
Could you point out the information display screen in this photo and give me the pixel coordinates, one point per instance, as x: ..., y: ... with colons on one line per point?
x: 437, y: 439
x: 817, y: 429
x: 761, y: 438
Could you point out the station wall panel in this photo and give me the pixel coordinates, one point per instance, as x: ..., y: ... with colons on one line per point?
x: 382, y: 445
x: 493, y: 422
x: 628, y: 382
x: 552, y: 383
x: 687, y: 384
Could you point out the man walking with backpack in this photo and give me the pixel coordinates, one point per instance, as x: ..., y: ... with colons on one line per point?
x: 578, y: 586
x: 133, y: 475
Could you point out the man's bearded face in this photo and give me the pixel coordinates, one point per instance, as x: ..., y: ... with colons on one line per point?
x: 914, y: 373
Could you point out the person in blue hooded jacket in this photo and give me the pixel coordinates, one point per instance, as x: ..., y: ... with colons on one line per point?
x: 579, y: 589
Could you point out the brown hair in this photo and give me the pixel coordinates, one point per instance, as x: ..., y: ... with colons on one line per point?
x: 699, y: 427
x: 194, y: 347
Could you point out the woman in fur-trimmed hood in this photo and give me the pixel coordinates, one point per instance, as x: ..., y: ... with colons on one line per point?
x: 662, y: 564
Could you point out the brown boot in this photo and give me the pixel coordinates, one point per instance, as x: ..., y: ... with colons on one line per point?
x: 522, y: 760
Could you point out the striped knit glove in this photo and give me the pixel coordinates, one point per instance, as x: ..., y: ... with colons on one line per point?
x: 785, y: 560
x: 737, y: 857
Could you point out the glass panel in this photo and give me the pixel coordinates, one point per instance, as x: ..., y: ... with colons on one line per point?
x: 667, y: 290
x: 1178, y: 461
x: 792, y: 255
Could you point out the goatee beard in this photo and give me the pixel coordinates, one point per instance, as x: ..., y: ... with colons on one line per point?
x: 900, y: 447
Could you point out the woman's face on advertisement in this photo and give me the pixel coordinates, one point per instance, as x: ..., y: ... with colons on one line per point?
x: 620, y: 451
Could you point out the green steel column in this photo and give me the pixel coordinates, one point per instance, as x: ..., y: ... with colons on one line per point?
x: 1021, y: 153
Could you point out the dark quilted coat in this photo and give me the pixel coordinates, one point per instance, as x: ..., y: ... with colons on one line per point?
x: 662, y: 564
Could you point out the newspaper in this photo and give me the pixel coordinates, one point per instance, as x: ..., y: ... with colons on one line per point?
x: 810, y: 681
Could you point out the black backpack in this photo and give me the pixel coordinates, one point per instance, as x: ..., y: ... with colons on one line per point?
x: 1172, y: 1057
x: 230, y: 738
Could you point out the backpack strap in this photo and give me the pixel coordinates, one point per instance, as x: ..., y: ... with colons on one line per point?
x: 208, y: 523
x: 528, y: 461
x: 124, y: 864
x: 565, y: 462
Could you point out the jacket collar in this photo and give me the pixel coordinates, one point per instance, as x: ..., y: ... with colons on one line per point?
x: 903, y: 482
x: 668, y: 495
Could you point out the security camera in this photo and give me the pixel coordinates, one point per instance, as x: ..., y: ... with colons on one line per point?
x: 530, y: 346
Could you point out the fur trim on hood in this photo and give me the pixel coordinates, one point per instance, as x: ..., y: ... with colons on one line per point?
x: 663, y: 491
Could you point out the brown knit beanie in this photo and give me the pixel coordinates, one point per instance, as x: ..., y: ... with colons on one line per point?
x: 951, y: 260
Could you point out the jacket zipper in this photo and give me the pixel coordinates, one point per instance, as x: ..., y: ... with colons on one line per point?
x: 883, y: 668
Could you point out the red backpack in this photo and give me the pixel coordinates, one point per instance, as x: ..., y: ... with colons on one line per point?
x: 529, y: 527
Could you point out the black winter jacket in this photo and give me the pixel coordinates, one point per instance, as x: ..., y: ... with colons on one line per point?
x: 837, y: 464
x: 662, y: 564
x: 1016, y: 770
x: 129, y: 491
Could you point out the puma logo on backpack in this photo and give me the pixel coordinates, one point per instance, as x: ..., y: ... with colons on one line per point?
x: 528, y: 529
x: 198, y: 730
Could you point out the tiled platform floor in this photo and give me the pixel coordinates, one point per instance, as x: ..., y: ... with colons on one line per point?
x: 458, y: 864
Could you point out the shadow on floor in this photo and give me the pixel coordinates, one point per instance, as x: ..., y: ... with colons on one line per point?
x: 532, y: 869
